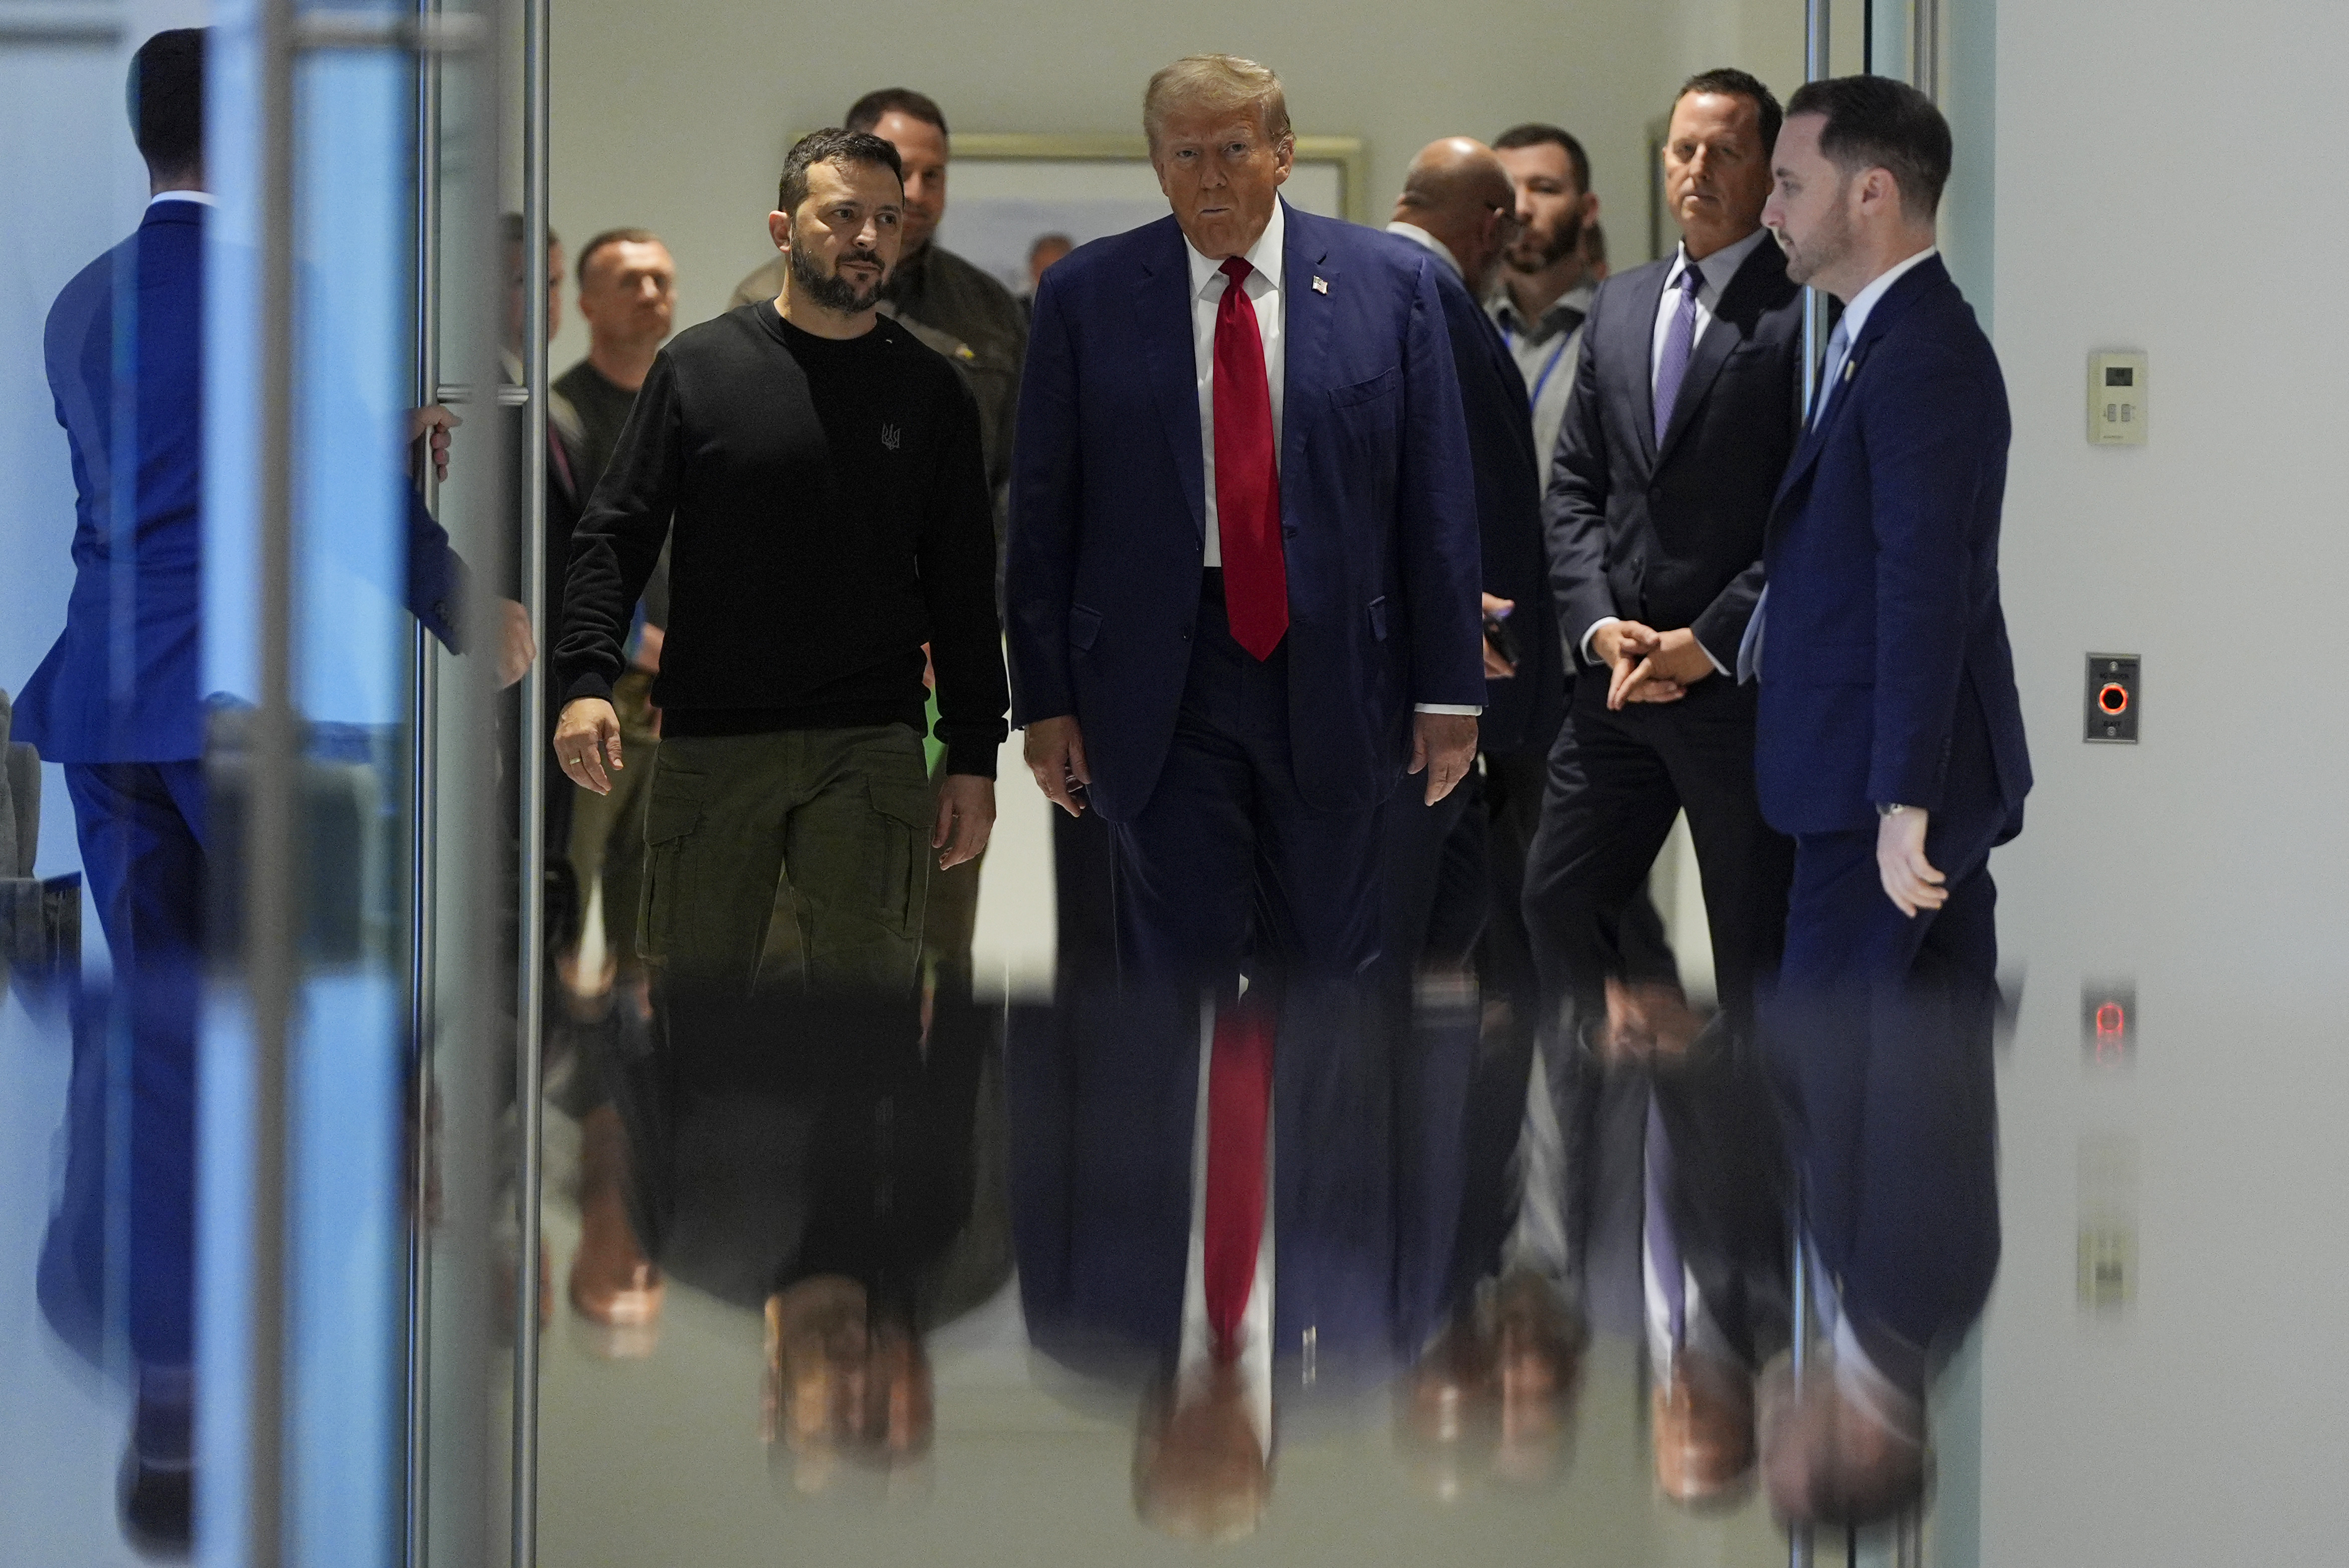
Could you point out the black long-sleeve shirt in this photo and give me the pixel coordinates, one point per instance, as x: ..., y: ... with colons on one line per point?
x: 830, y: 512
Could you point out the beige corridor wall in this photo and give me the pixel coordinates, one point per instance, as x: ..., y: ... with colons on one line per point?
x: 675, y: 116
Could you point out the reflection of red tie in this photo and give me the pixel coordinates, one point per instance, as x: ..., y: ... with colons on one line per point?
x: 1248, y: 474
x: 1240, y: 1093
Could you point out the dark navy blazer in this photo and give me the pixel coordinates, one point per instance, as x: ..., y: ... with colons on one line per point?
x: 153, y: 535
x: 1526, y: 707
x: 1882, y: 557
x: 1108, y: 509
x: 1671, y: 534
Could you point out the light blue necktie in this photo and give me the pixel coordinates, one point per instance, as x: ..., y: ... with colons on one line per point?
x: 1749, y: 646
x: 1680, y: 342
x: 1838, y: 348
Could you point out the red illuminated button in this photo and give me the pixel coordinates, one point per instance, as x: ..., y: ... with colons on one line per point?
x: 2112, y: 1021
x: 2114, y: 699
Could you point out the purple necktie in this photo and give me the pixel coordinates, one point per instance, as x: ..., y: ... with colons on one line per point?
x: 1680, y: 342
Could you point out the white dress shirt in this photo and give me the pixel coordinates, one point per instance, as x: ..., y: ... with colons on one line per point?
x: 201, y: 198
x: 1430, y: 244
x: 1208, y: 285
x: 1855, y: 321
x: 1713, y: 274
x: 1855, y: 318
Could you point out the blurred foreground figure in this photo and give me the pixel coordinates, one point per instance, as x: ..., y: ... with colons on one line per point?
x: 1890, y: 745
x: 116, y: 702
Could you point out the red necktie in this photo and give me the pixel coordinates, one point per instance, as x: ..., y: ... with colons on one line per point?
x: 1239, y: 1094
x: 1248, y: 474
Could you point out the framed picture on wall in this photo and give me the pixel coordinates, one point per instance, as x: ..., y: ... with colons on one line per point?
x: 1009, y: 191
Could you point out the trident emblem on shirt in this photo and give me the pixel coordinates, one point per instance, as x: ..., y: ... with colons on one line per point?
x: 889, y: 437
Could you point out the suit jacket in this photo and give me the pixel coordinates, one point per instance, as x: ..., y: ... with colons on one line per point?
x: 1670, y: 534
x: 1525, y: 708
x: 1378, y: 509
x: 1883, y: 561
x: 70, y: 707
x: 1368, y: 1168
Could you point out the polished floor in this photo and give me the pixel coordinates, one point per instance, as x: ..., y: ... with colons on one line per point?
x: 2157, y: 1379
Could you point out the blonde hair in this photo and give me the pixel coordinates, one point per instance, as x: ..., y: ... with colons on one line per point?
x: 1216, y: 83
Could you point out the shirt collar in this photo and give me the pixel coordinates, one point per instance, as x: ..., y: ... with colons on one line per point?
x: 1419, y: 236
x: 1567, y: 312
x: 1264, y: 255
x: 1718, y: 268
x: 201, y: 198
x: 1855, y: 315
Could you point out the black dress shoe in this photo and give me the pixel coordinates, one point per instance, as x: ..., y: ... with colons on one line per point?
x: 158, y: 1507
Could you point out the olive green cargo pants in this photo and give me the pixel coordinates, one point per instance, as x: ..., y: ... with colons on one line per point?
x: 845, y: 813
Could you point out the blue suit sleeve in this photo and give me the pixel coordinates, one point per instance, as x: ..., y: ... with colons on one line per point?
x: 1933, y: 432
x: 1442, y: 564
x: 438, y: 580
x: 1047, y: 493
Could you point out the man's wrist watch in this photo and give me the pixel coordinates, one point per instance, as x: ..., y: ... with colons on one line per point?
x: 1889, y: 809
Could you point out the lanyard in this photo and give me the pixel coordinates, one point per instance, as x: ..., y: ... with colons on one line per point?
x: 1555, y: 355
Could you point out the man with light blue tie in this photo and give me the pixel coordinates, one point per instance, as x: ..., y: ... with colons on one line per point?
x: 1242, y: 581
x: 1890, y: 745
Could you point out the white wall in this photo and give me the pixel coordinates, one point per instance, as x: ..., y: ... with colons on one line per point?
x: 2165, y: 182
x: 675, y: 117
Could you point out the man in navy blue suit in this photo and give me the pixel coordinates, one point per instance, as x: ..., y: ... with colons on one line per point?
x: 117, y: 705
x: 1242, y: 578
x: 1890, y: 747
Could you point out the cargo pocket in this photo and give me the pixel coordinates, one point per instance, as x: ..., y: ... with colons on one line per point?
x: 671, y: 817
x: 902, y: 817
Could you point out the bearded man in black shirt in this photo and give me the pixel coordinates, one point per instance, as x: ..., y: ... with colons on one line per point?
x: 817, y: 474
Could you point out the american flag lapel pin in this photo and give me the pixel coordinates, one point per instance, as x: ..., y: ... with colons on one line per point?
x: 1320, y: 285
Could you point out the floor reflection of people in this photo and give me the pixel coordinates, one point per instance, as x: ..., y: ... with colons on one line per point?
x: 1891, y: 744
x: 825, y: 1162
x: 1253, y: 1234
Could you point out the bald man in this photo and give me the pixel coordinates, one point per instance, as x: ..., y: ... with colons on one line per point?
x: 1444, y: 867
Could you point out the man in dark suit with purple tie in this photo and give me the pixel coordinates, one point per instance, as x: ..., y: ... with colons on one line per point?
x: 1243, y: 571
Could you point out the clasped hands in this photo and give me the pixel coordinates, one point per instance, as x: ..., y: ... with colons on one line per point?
x: 1649, y: 666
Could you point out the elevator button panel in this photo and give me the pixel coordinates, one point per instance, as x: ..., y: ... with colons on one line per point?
x: 2112, y: 704
x: 2117, y: 399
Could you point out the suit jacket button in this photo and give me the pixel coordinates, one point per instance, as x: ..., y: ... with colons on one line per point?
x: 440, y: 609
